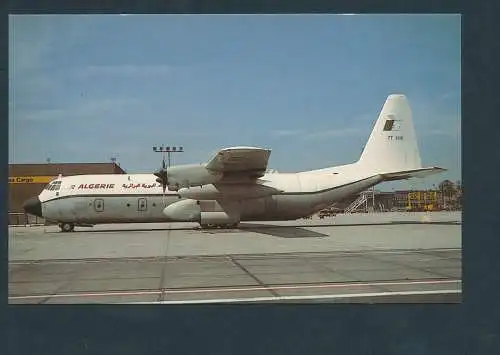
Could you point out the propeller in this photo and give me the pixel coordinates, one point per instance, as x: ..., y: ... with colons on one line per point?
x: 162, y: 178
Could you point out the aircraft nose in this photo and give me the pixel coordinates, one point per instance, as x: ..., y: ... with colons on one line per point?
x: 33, y: 206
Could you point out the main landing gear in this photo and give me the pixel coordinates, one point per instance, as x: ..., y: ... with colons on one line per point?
x: 67, y: 227
x: 219, y: 226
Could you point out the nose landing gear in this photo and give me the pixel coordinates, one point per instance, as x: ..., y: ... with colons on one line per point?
x: 67, y: 227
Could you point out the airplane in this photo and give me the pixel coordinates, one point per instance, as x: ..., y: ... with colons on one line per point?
x: 235, y: 185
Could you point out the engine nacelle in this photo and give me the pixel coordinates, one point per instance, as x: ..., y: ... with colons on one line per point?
x: 233, y: 191
x: 183, y: 211
x: 180, y: 176
x: 203, y: 212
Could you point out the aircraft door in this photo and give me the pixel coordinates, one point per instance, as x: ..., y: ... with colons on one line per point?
x: 142, y: 204
x: 99, y: 205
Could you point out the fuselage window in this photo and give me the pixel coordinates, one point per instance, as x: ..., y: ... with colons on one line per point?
x: 141, y: 204
x: 99, y: 205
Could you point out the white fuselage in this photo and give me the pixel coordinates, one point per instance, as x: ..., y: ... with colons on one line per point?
x: 133, y: 198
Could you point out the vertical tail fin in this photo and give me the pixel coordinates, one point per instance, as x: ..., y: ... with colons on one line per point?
x: 392, y: 145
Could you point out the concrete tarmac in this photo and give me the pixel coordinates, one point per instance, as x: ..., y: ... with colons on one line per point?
x: 356, y: 260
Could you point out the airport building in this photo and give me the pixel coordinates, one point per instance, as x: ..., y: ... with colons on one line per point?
x: 28, y: 180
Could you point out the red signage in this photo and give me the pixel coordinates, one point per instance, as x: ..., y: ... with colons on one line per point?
x: 95, y: 186
x: 135, y: 186
x: 112, y: 186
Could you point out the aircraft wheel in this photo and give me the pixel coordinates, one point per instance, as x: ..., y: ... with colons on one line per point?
x: 67, y: 227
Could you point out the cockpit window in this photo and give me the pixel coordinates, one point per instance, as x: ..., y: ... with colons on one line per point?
x: 54, y: 186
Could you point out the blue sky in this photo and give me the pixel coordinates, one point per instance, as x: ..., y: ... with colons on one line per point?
x: 85, y: 88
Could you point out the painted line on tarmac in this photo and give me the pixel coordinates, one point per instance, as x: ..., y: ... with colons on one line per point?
x: 300, y: 298
x: 274, y: 256
x: 238, y: 289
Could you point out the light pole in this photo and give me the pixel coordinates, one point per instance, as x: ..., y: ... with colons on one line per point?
x: 167, y: 150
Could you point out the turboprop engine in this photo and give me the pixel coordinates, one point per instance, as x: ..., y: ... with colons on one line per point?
x: 179, y: 176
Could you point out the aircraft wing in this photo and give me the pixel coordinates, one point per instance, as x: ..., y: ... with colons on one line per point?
x: 249, y: 162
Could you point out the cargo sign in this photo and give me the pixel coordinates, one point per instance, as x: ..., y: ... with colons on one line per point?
x: 30, y: 179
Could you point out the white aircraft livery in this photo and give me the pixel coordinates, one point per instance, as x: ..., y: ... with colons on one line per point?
x: 234, y: 185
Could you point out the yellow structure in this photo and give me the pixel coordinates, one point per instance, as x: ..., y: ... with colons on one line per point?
x: 422, y: 201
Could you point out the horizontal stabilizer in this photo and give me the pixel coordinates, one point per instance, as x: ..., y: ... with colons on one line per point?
x: 414, y: 173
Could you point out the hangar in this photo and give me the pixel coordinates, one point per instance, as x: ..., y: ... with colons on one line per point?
x: 28, y: 180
